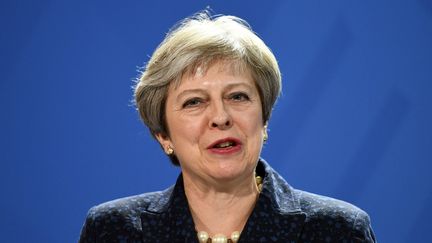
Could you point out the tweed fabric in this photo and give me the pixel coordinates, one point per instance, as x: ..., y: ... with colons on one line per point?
x: 281, y: 214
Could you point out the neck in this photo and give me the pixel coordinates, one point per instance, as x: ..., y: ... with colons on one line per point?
x: 223, y: 208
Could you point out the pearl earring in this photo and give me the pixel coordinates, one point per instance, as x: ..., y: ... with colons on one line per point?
x: 169, y: 150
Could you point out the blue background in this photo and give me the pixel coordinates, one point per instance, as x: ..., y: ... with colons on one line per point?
x: 354, y: 120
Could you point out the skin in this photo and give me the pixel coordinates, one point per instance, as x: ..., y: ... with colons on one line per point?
x: 204, y: 108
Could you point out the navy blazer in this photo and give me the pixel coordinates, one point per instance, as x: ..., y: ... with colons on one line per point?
x: 281, y: 214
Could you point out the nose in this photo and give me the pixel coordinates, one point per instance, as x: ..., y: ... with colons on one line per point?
x: 220, y: 117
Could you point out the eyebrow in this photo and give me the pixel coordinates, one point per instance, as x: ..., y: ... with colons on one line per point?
x: 202, y: 91
x: 189, y: 91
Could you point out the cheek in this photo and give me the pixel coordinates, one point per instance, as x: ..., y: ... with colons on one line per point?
x: 186, y: 129
x: 252, y: 128
x: 255, y: 131
x: 254, y: 122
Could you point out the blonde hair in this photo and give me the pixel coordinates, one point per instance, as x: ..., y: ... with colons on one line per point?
x: 199, y: 41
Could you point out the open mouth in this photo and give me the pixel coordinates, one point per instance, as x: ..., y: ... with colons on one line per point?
x: 225, y: 145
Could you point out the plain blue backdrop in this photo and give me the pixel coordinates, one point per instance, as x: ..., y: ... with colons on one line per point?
x: 354, y: 120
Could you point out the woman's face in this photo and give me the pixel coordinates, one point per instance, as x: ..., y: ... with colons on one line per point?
x: 215, y: 123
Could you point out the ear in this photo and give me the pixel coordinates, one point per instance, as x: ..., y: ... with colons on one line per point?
x: 164, y: 141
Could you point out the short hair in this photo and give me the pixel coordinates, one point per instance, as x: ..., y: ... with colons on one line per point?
x: 200, y: 41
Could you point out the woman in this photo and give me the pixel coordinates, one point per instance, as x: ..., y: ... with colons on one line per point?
x: 206, y: 95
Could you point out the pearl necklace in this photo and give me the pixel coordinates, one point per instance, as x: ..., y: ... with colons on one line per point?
x: 204, y: 237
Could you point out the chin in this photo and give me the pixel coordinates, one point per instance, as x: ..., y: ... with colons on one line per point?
x: 229, y: 169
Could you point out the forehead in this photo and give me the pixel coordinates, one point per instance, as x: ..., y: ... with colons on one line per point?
x: 204, y: 73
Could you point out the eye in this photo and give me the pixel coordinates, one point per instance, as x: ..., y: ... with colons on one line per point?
x: 239, y: 96
x: 192, y: 102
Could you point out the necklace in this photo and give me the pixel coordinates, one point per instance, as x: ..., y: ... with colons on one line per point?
x: 204, y: 237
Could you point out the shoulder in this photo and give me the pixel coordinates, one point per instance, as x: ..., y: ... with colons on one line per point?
x: 333, y: 220
x: 317, y: 206
x: 326, y: 219
x: 120, y: 219
x: 132, y: 205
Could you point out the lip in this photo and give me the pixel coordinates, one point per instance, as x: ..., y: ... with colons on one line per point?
x: 230, y: 150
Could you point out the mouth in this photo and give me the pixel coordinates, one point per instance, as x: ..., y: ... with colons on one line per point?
x: 226, y: 145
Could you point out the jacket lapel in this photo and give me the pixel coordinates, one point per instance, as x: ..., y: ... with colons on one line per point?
x: 268, y: 225
x: 169, y: 218
x: 277, y: 216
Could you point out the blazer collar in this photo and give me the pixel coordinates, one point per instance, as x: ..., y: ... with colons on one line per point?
x: 275, y: 188
x: 277, y: 214
x: 169, y: 217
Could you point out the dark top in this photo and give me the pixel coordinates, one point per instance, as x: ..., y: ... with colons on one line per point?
x: 281, y: 214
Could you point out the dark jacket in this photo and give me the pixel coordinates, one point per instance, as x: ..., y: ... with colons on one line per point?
x: 281, y: 214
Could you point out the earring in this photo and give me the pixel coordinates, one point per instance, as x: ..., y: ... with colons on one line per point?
x: 169, y: 151
x: 265, y: 134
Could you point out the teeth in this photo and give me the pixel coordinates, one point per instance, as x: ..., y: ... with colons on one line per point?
x: 224, y: 144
